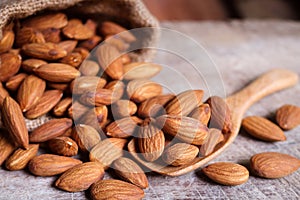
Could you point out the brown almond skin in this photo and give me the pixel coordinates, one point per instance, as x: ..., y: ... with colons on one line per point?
x: 80, y: 177
x: 50, y: 165
x: 89, y: 68
x: 68, y: 45
x: 28, y: 35
x: 6, y: 146
x: 20, y: 158
x: 94, y: 117
x: 59, y: 86
x: 214, y: 137
x: 151, y: 141
x: 130, y: 171
x: 288, y: 117
x: 185, y: 102
x: 111, y: 28
x: 90, y: 43
x: 273, y: 164
x: 50, y: 130
x: 30, y: 64
x: 115, y: 189
x: 57, y: 72
x: 14, y: 122
x: 63, y: 146
x: 62, y: 106
x: 180, y: 154
x: 3, y: 93
x: 51, y: 35
x: 30, y: 91
x: 227, y: 173
x: 15, y: 81
x: 185, y: 129
x: 123, y: 108
x: 56, y: 20
x: 140, y: 70
x: 87, y: 83
x: 6, y: 41
x: 9, y: 66
x: 86, y: 137
x: 45, y: 51
x: 263, y: 129
x: 122, y: 128
x: 76, y: 30
x: 201, y: 113
x: 49, y: 99
x: 74, y: 59
x: 107, y: 151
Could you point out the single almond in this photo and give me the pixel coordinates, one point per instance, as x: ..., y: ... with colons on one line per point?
x: 151, y: 141
x: 154, y: 106
x: 30, y: 91
x: 84, y: 84
x: 107, y: 151
x: 89, y: 68
x: 59, y: 86
x: 227, y: 173
x: 50, y: 130
x: 273, y: 164
x: 56, y: 20
x: 201, y: 113
x: 74, y: 59
x: 130, y: 171
x: 47, y: 51
x: 6, y: 146
x: 57, y: 72
x: 263, y: 129
x: 9, y: 65
x: 91, y: 43
x: 214, y: 137
x: 28, y: 35
x: 13, y: 120
x: 122, y: 128
x: 123, y: 108
x: 62, y: 106
x: 20, y: 158
x: 101, y: 96
x: 50, y: 165
x: 63, y: 146
x: 76, y: 30
x: 3, y: 93
x: 95, y: 117
x: 51, y: 35
x: 30, y: 64
x: 6, y: 41
x: 86, y: 137
x: 140, y: 90
x: 68, y: 133
x: 180, y: 154
x: 185, y: 129
x: 288, y: 116
x: 14, y: 82
x: 49, y: 99
x: 115, y: 189
x: 111, y: 28
x: 185, y: 102
x: 69, y: 46
x: 141, y: 70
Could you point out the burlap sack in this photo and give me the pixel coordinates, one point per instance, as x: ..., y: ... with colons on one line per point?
x: 129, y: 13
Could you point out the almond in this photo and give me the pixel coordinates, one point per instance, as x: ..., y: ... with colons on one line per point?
x: 227, y: 173
x: 6, y: 41
x: 57, y: 72
x: 115, y: 189
x: 141, y: 89
x: 89, y: 68
x: 116, y: 41
x: 185, y: 129
x: 3, y: 94
x: 201, y: 113
x: 180, y: 154
x: 14, y: 82
x: 122, y: 128
x: 50, y: 130
x: 86, y: 137
x: 69, y: 46
x: 185, y: 102
x: 131, y: 172
x: 47, y: 51
x: 141, y: 70
x: 9, y: 65
x: 288, y: 117
x: 14, y: 122
x: 30, y: 91
x: 274, y: 165
x: 28, y: 35
x: 20, y: 158
x: 214, y: 137
x: 51, y: 35
x: 76, y: 30
x: 263, y: 129
x: 91, y: 43
x: 87, y: 83
x: 220, y: 114
x: 77, y: 110
x: 6, y: 146
x: 109, y: 59
x: 125, y: 59
x: 74, y: 59
x: 49, y: 99
x: 56, y: 20
x: 111, y: 28
x: 50, y: 165
x: 107, y: 151
x: 62, y: 106
x: 83, y: 51
x: 95, y: 117
x: 59, y: 86
x: 154, y: 106
x: 151, y: 141
x: 63, y: 146
x: 30, y: 64
x: 123, y: 108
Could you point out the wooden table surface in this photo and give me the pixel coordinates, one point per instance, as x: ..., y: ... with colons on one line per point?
x: 240, y: 51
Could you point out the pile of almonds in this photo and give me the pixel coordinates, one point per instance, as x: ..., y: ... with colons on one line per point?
x: 99, y: 101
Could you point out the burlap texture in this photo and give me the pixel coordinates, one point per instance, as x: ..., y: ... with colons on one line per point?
x: 129, y: 13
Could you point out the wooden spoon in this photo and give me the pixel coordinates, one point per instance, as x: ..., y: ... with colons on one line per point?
x: 238, y: 103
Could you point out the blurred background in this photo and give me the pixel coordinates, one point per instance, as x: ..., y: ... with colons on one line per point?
x: 224, y: 9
